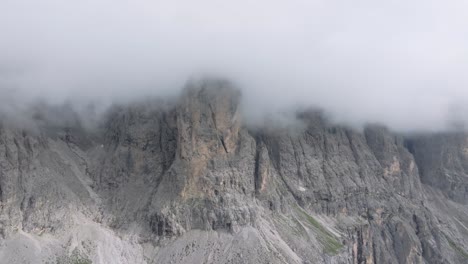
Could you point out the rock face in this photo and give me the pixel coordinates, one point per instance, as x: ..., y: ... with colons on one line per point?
x: 443, y: 161
x: 189, y: 182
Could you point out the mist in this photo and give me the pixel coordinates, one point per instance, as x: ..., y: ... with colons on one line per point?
x: 399, y: 63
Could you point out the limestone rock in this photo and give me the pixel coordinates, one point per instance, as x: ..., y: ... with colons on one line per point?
x: 187, y: 181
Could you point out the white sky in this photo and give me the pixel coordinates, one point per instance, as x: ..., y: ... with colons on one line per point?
x: 402, y: 63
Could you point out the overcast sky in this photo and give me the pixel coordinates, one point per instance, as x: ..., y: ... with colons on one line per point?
x: 402, y: 63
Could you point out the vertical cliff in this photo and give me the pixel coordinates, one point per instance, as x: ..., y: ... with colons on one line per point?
x: 188, y: 182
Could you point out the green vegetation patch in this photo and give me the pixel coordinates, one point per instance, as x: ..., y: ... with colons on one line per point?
x: 456, y: 247
x: 292, y: 224
x: 75, y: 258
x: 330, y: 242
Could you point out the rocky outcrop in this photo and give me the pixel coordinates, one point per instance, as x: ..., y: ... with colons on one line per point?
x: 443, y: 161
x: 188, y: 182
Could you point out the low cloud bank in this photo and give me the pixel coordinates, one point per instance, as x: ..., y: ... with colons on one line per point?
x: 398, y: 63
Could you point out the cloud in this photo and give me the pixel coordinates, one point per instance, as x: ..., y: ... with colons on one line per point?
x: 400, y: 63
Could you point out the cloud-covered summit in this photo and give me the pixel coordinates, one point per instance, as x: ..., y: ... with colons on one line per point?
x: 400, y: 63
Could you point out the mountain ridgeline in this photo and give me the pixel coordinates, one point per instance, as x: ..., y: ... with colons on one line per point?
x: 190, y: 182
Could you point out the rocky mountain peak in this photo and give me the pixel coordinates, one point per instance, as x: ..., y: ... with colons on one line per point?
x: 189, y: 182
x: 208, y: 125
x: 208, y: 120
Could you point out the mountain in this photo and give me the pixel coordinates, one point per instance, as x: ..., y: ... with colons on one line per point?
x: 190, y: 182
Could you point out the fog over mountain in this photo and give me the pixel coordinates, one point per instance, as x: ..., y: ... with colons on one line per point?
x: 399, y: 63
x: 241, y: 132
